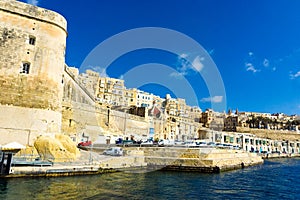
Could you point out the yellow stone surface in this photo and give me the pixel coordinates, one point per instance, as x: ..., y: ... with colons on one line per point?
x: 59, y: 149
x: 271, y: 134
x: 30, y: 150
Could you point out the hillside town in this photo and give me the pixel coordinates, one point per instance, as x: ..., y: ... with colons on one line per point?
x: 172, y: 119
x: 112, y: 93
x: 48, y: 108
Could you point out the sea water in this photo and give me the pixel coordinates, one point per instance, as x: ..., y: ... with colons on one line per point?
x: 275, y: 179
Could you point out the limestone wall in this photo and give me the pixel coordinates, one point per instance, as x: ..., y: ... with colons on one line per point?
x: 224, y: 159
x: 41, y: 87
x: 24, y: 125
x: 271, y: 134
x: 30, y: 96
x: 129, y: 124
x: 26, y: 10
x: 82, y: 119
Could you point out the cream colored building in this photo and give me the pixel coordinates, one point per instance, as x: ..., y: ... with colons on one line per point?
x: 131, y: 97
x: 110, y: 91
x: 90, y: 80
x: 255, y: 114
x: 144, y: 99
x: 180, y: 120
x: 212, y: 119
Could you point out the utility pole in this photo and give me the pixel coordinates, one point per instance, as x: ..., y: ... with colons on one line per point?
x: 125, y: 122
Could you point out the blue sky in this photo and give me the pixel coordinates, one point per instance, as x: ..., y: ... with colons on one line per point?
x: 255, y: 45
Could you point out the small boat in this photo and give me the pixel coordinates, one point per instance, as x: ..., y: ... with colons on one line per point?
x: 37, y: 162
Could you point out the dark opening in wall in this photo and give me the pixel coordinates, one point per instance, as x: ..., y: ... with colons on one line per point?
x: 32, y: 40
x: 25, y: 68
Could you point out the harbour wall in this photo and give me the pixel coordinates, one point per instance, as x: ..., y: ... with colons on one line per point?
x: 205, y: 160
x: 199, y: 159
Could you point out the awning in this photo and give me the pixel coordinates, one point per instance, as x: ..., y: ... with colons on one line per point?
x: 12, y: 146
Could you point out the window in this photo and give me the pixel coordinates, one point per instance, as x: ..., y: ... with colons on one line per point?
x: 25, y: 68
x: 32, y: 40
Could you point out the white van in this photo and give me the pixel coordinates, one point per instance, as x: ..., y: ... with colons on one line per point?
x: 114, y: 151
x: 166, y: 143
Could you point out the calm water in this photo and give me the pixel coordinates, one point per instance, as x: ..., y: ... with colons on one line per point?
x: 276, y: 179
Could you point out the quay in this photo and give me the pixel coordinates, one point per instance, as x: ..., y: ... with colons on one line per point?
x: 145, y: 159
x: 279, y: 155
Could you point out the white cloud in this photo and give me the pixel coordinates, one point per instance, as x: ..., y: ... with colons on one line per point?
x: 266, y: 63
x: 184, y: 66
x: 183, y: 63
x: 215, y: 99
x: 33, y: 2
x: 197, y: 63
x: 211, y: 52
x: 121, y: 77
x: 183, y: 56
x: 178, y: 75
x: 296, y: 75
x: 250, y: 67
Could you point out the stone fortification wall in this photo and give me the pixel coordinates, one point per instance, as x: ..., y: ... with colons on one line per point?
x: 129, y: 124
x: 82, y: 119
x: 26, y: 10
x: 32, y: 59
x: 271, y: 134
x: 16, y: 124
x: 37, y: 37
x: 79, y: 120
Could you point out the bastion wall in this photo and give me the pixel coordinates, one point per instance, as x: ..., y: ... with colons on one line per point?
x: 32, y: 59
x: 271, y: 134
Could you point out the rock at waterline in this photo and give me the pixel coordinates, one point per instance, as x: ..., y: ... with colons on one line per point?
x: 58, y: 149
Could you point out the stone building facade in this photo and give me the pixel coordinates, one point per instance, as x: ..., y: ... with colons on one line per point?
x: 32, y: 58
x: 110, y: 91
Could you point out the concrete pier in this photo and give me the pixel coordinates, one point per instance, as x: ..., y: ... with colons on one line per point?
x: 206, y: 160
x: 200, y: 159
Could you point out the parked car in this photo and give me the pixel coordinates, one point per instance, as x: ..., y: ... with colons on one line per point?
x: 128, y: 142
x: 165, y: 143
x: 211, y: 144
x: 195, y: 143
x: 121, y: 142
x: 228, y: 146
x: 114, y: 151
x: 177, y: 142
x: 220, y: 145
x: 201, y: 143
x: 85, y: 144
x: 147, y: 143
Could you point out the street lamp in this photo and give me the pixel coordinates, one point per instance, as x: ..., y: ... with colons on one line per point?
x: 125, y: 122
x: 108, y: 112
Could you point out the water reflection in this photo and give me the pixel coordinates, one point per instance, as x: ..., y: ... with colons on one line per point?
x: 275, y: 179
x: 3, y: 186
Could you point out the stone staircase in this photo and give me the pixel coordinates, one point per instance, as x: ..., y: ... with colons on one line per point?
x: 196, y: 159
